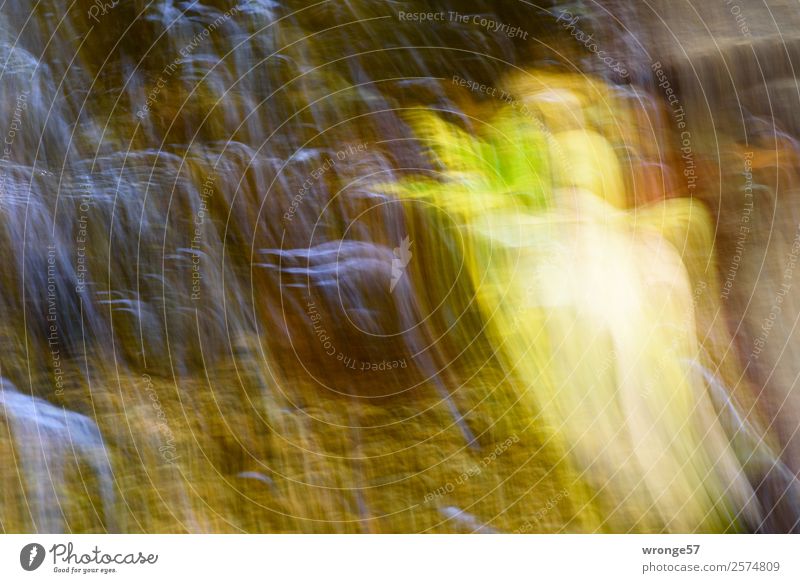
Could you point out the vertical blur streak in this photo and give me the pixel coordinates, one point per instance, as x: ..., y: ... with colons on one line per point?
x: 322, y: 267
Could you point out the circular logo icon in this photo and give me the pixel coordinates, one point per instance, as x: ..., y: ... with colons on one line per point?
x: 31, y: 556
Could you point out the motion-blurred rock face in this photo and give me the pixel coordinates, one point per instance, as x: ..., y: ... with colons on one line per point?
x: 294, y: 267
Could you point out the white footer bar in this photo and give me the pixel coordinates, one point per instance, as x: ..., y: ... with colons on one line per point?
x: 402, y: 558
